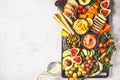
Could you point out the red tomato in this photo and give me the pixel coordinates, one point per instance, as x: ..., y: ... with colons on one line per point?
x: 106, y: 59
x: 79, y: 11
x: 107, y: 43
x: 110, y: 41
x: 84, y: 10
x: 104, y: 45
x: 81, y: 6
x: 99, y: 1
x: 102, y: 50
x: 100, y: 44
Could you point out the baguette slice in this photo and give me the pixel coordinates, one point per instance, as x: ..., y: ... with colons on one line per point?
x: 56, y: 18
x: 66, y: 23
x: 68, y: 18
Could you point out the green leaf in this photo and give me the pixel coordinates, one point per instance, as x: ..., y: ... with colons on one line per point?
x: 106, y: 66
x: 110, y: 50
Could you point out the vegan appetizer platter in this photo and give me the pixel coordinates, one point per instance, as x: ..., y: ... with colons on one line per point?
x: 87, y: 43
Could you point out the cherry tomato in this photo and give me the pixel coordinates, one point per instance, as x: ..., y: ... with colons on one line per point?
x: 104, y: 45
x: 81, y: 6
x: 106, y: 59
x: 110, y: 41
x: 84, y: 10
x: 79, y: 11
x: 100, y: 44
x: 99, y: 1
x: 102, y: 50
x: 107, y: 43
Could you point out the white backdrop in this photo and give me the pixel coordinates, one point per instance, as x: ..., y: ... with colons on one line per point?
x: 30, y: 39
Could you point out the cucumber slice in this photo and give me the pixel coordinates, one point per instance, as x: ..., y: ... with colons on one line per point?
x: 92, y: 52
x: 85, y: 52
x: 88, y: 52
x: 82, y: 54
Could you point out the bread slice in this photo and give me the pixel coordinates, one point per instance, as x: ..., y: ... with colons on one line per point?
x: 56, y: 18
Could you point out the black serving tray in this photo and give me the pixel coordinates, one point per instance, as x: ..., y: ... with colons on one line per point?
x: 104, y: 74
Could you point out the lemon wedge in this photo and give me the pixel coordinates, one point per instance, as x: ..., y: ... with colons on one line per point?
x: 64, y: 33
x: 90, y: 21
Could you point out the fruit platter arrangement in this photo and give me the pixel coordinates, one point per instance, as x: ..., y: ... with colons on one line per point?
x: 87, y: 43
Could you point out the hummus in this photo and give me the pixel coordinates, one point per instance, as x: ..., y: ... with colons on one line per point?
x: 89, y: 41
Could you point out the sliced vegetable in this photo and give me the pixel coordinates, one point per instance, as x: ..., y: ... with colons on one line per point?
x: 85, y: 52
x: 82, y: 54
